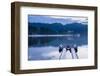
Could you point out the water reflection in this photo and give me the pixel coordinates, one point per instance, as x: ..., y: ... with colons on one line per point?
x: 46, y: 48
x: 56, y: 41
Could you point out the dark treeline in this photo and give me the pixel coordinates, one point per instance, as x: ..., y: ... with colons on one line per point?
x: 56, y: 28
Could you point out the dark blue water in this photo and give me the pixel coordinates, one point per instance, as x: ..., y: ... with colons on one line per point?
x: 46, y: 48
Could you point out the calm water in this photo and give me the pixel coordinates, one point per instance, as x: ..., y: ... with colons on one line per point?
x: 46, y: 47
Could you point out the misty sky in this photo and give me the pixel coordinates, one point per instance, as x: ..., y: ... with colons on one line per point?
x: 56, y: 19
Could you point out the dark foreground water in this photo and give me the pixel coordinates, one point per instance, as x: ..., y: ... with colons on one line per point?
x: 46, y: 47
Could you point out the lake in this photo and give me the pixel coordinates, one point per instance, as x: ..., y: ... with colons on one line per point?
x: 46, y: 47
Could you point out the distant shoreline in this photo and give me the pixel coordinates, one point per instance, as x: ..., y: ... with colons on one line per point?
x: 77, y: 35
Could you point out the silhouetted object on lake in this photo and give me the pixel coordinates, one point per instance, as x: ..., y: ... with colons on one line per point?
x: 60, y: 51
x: 73, y: 51
x: 68, y: 48
x: 75, y: 48
x: 60, y: 48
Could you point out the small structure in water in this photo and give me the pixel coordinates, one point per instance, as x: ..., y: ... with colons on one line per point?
x: 68, y: 48
x: 60, y: 48
x: 73, y: 51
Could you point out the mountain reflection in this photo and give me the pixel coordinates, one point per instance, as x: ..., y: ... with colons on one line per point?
x: 56, y: 41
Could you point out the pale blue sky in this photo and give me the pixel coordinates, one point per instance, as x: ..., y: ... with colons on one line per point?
x: 56, y: 19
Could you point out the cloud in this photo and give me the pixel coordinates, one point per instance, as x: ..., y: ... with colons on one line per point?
x: 57, y: 19
x: 54, y: 54
x: 83, y: 52
x: 72, y: 19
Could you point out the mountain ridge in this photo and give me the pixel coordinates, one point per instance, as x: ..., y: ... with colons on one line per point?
x: 56, y: 28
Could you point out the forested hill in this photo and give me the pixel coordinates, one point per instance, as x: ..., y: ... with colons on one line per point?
x: 56, y: 28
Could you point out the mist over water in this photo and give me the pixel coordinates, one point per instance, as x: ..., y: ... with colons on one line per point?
x: 47, y: 48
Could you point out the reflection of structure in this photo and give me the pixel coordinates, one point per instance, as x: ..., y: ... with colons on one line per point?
x: 73, y: 51
x: 56, y: 40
